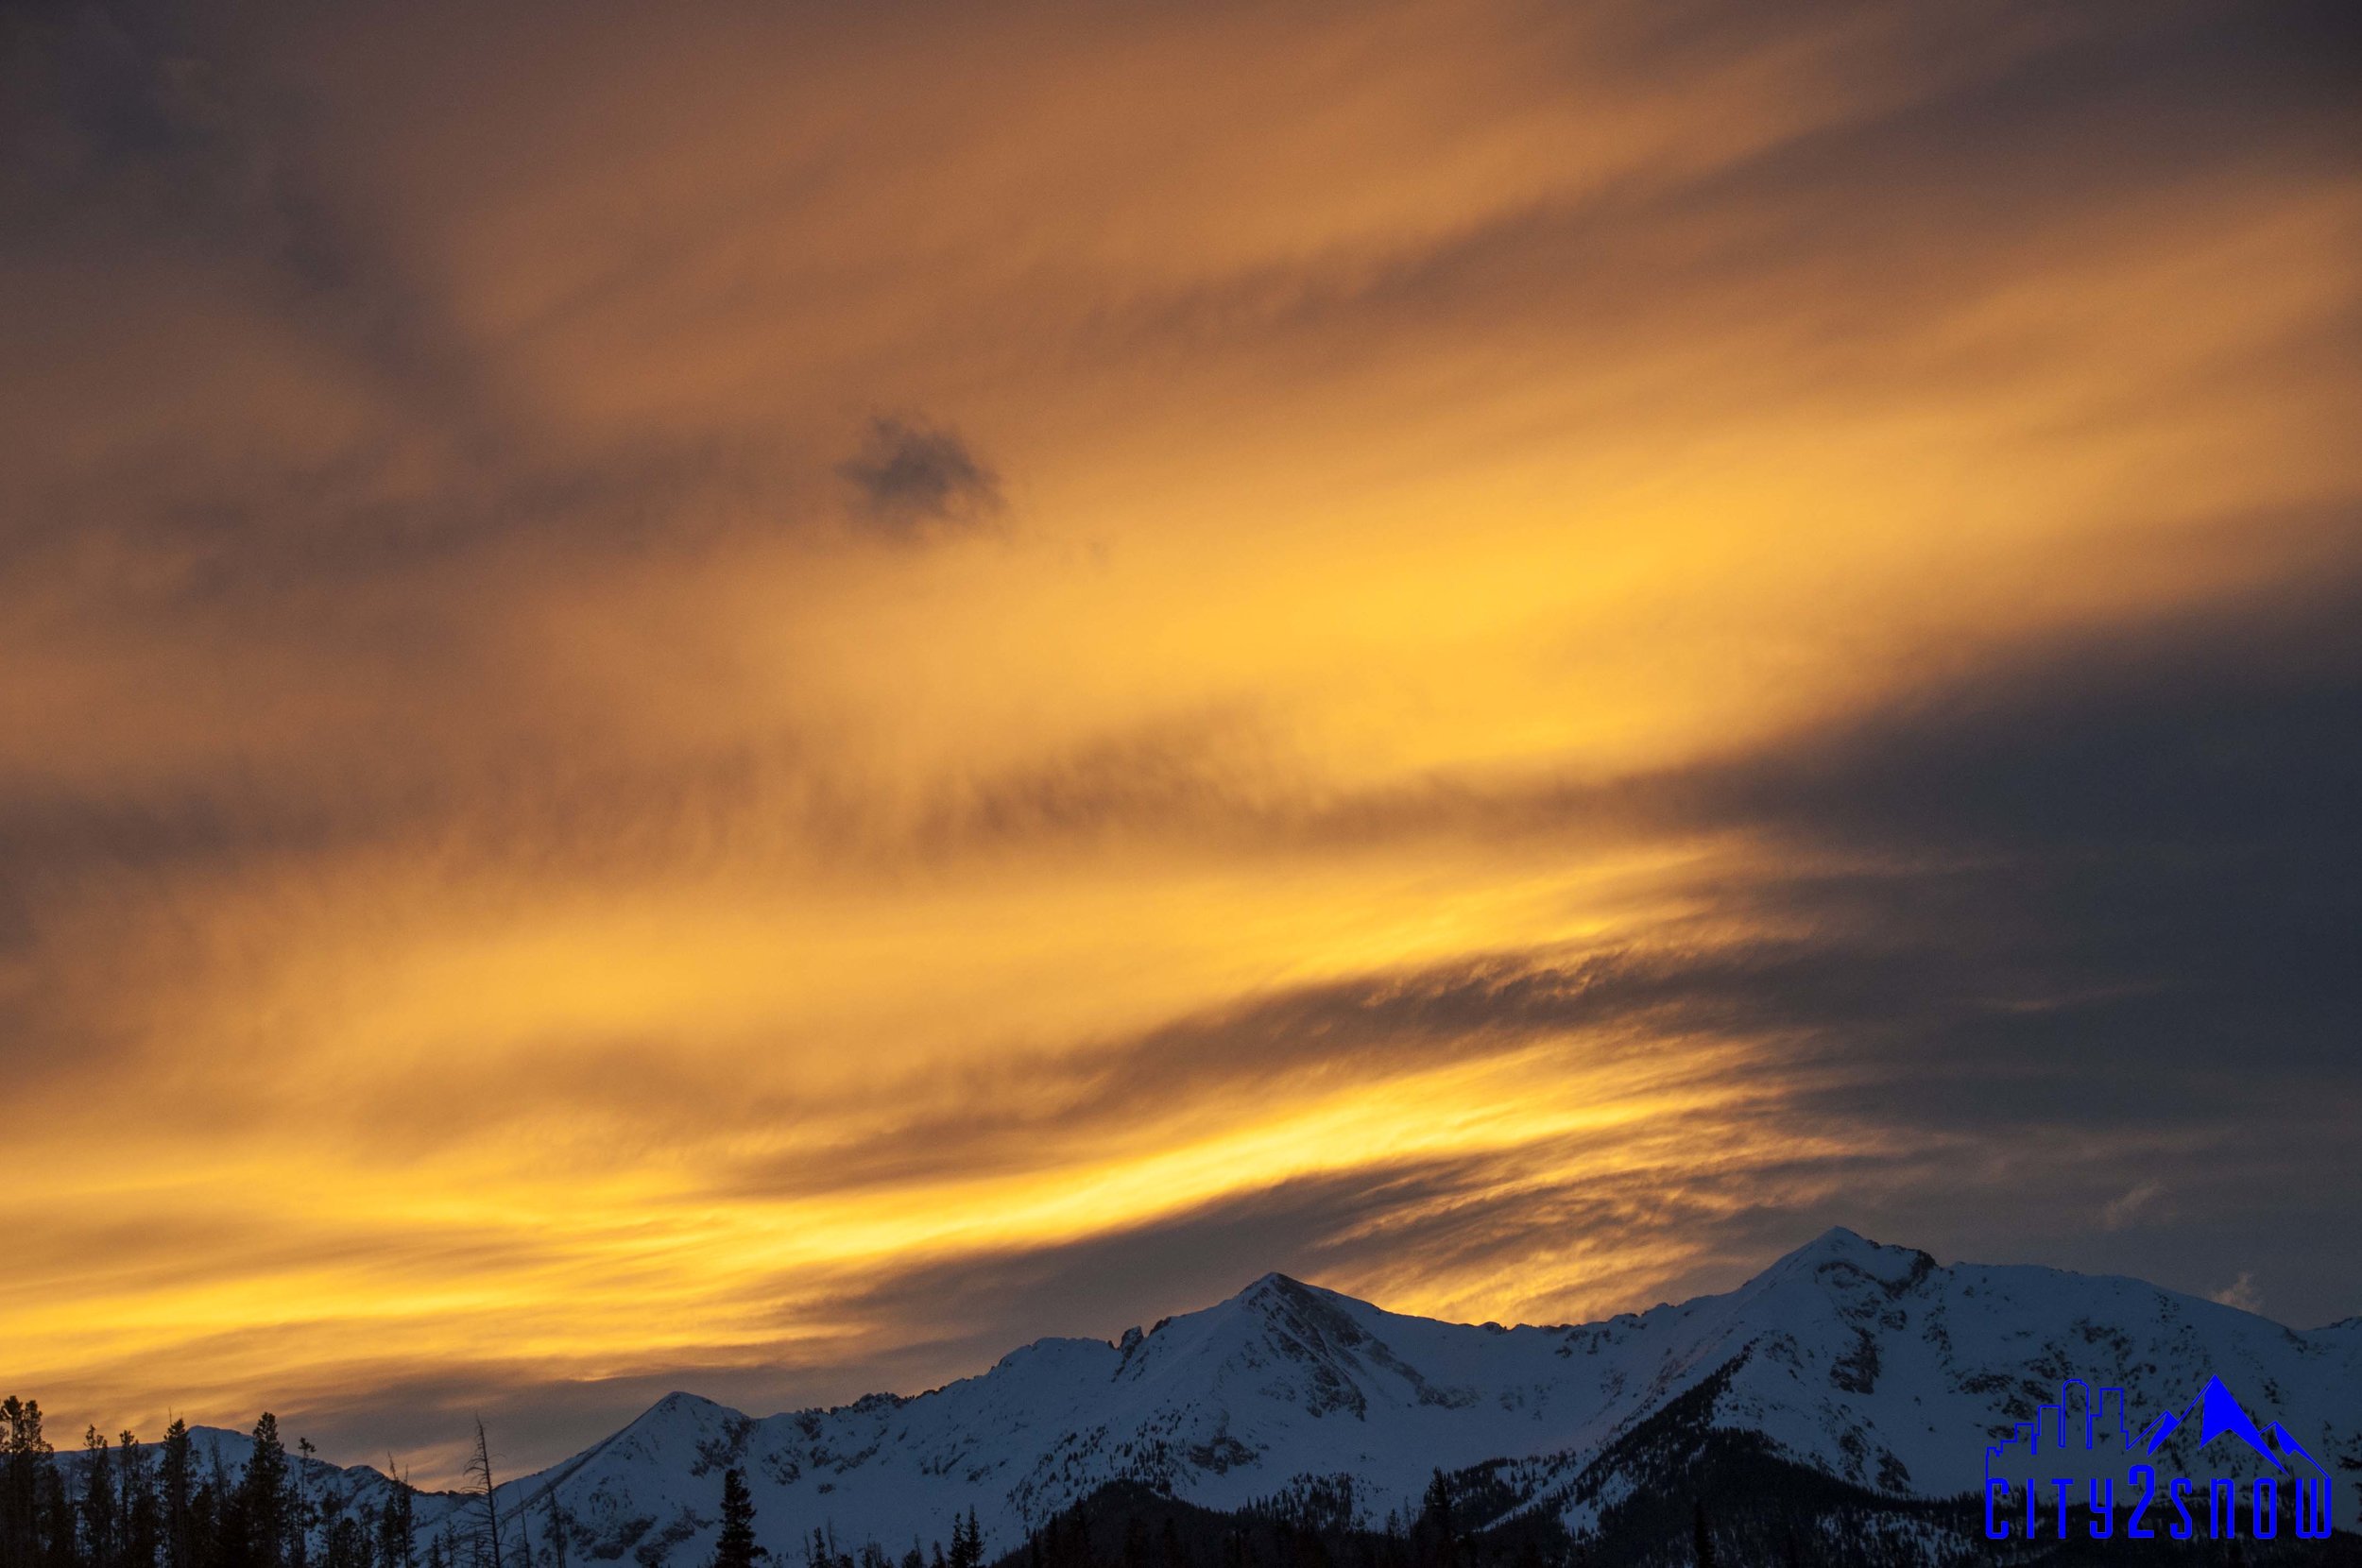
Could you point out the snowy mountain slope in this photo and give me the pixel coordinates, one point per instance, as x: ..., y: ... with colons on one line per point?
x: 218, y: 1457
x: 1877, y: 1367
x: 1870, y: 1364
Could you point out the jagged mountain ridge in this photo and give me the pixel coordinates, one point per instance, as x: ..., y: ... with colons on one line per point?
x: 1869, y: 1363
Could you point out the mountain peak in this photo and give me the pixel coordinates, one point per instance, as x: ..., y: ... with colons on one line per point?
x: 1277, y: 1289
x: 681, y: 1399
x: 1838, y: 1245
x: 677, y: 1410
x: 1283, y: 1296
x: 1835, y: 1245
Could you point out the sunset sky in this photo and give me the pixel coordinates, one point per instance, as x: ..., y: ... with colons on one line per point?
x: 764, y: 697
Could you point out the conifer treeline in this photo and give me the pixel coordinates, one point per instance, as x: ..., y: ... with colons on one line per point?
x: 157, y: 1505
x: 134, y: 1505
x: 822, y: 1551
x: 1127, y: 1527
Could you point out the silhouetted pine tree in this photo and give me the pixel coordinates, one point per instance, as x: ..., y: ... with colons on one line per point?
x: 343, y: 1538
x: 220, y: 1520
x: 101, y: 1546
x: 736, y: 1547
x: 396, y: 1521
x: 140, y: 1511
x: 1435, y: 1538
x: 303, y: 1513
x: 53, y: 1520
x: 1703, y: 1539
x: 968, y: 1543
x: 24, y: 1457
x: 265, y: 1512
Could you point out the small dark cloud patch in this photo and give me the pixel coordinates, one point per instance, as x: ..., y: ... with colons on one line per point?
x: 913, y: 480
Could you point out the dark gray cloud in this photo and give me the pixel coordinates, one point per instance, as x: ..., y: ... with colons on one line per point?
x: 160, y: 139
x: 175, y: 168
x: 2086, y: 912
x: 912, y: 479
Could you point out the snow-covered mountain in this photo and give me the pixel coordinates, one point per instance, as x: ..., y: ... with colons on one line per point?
x: 1868, y: 1363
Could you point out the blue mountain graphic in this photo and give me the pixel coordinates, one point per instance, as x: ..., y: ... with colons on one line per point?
x: 2218, y: 1412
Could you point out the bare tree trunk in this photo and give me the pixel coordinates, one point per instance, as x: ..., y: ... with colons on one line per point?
x: 558, y: 1526
x: 481, y: 1468
x: 300, y: 1552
